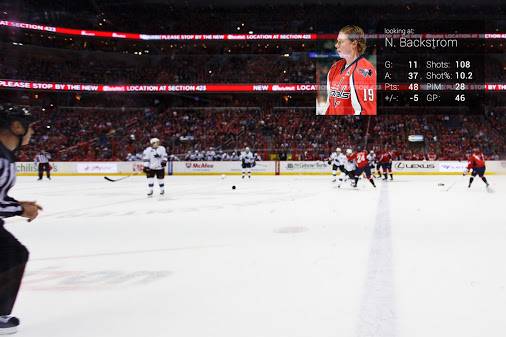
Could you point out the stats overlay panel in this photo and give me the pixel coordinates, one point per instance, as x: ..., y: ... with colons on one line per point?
x: 435, y: 67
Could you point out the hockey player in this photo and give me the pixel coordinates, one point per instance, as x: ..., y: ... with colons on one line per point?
x: 194, y: 156
x: 337, y: 159
x: 385, y: 161
x: 223, y: 156
x: 201, y: 156
x: 349, y: 166
x: 362, y: 163
x: 351, y: 81
x: 476, y: 165
x: 155, y: 160
x: 379, y: 169
x: 235, y: 156
x: 210, y: 154
x: 15, y: 131
x: 188, y: 156
x: 371, y: 157
x: 247, y: 161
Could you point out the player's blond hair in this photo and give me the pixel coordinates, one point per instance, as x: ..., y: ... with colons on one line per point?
x: 355, y: 33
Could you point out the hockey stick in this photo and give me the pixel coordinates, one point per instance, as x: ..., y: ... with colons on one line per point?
x: 455, y: 180
x: 451, y: 185
x: 122, y: 178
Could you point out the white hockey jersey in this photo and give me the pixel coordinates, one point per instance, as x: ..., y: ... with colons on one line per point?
x: 224, y: 156
x: 210, y: 155
x: 153, y: 157
x: 194, y: 156
x: 234, y: 156
x: 247, y: 157
x: 350, y: 165
x: 371, y: 157
x: 338, y: 159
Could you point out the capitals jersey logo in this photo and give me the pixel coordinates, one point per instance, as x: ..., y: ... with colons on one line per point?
x: 340, y: 93
x: 365, y: 72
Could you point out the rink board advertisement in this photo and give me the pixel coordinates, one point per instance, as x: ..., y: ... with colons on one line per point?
x: 304, y: 167
x: 218, y: 167
x: 81, y: 168
x: 420, y: 167
x: 234, y: 168
x: 451, y: 166
x: 99, y: 167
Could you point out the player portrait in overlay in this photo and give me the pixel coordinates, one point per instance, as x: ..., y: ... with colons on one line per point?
x: 351, y: 80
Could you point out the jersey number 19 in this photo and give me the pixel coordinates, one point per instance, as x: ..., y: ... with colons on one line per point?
x: 368, y: 95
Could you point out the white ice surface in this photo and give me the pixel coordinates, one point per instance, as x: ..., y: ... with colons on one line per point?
x: 277, y: 257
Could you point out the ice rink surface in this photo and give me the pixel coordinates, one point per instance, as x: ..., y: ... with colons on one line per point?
x: 277, y: 257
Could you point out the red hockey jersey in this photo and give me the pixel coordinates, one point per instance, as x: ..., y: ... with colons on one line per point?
x: 385, y: 158
x: 360, y: 158
x: 351, y: 90
x: 476, y: 161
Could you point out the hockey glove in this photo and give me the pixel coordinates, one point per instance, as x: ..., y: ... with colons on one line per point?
x: 164, y: 163
x: 146, y: 169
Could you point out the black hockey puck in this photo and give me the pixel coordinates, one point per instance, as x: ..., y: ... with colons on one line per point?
x: 440, y: 184
x: 233, y: 187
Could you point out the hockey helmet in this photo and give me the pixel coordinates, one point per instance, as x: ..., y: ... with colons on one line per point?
x: 9, y: 114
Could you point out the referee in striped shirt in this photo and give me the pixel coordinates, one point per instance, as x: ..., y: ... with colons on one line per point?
x: 15, y: 131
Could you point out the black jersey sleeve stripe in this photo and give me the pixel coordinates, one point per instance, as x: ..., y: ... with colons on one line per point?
x: 11, y: 214
x: 9, y: 206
